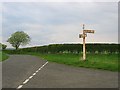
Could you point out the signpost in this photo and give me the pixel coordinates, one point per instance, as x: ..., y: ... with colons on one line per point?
x: 83, y: 36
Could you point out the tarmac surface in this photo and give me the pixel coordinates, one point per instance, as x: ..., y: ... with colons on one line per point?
x: 25, y: 71
x: 0, y: 75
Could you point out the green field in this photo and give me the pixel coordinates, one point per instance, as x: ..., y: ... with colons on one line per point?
x: 3, y: 56
x: 96, y: 61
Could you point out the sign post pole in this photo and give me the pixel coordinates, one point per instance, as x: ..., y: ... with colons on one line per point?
x: 83, y: 36
x: 84, y: 51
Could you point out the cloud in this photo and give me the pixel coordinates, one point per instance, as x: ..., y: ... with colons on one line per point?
x: 59, y: 1
x: 0, y: 22
x: 60, y: 22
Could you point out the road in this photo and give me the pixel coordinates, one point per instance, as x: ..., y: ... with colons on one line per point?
x: 0, y: 75
x: 25, y: 71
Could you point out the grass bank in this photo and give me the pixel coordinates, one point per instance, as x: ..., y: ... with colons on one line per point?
x: 3, y: 56
x: 96, y: 61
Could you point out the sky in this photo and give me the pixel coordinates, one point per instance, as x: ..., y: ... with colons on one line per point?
x: 60, y: 22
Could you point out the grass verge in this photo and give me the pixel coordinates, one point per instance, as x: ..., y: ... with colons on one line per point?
x: 3, y: 56
x: 96, y: 61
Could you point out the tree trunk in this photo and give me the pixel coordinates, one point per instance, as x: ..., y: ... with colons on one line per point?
x: 16, y: 47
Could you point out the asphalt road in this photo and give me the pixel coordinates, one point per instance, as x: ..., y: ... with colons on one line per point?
x: 0, y: 75
x: 19, y: 68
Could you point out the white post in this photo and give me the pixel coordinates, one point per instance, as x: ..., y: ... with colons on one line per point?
x: 83, y: 36
x: 84, y: 51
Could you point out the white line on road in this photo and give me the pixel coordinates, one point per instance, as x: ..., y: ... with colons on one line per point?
x: 34, y: 74
x: 26, y: 81
x: 20, y: 86
x: 30, y: 77
x: 37, y: 71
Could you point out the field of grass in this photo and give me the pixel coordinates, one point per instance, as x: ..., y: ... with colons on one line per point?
x: 96, y: 61
x: 3, y: 56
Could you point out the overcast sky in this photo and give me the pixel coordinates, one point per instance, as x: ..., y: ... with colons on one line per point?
x: 60, y: 22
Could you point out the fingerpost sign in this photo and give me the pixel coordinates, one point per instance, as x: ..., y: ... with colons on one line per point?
x: 83, y: 36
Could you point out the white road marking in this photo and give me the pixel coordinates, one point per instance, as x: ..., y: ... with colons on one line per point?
x: 34, y: 74
x: 26, y: 81
x: 30, y: 77
x: 37, y: 71
x: 20, y: 86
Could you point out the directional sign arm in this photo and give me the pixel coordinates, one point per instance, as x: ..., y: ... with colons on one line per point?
x: 88, y: 31
x: 82, y: 35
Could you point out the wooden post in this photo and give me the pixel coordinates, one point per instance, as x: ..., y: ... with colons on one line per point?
x: 84, y: 51
x: 83, y: 36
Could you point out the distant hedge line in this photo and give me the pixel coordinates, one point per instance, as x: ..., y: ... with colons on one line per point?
x: 70, y: 48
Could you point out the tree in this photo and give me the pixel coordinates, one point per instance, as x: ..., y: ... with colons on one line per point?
x: 19, y: 38
x: 2, y: 46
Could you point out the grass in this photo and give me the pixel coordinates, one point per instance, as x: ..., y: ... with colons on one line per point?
x: 96, y: 61
x: 3, y: 56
